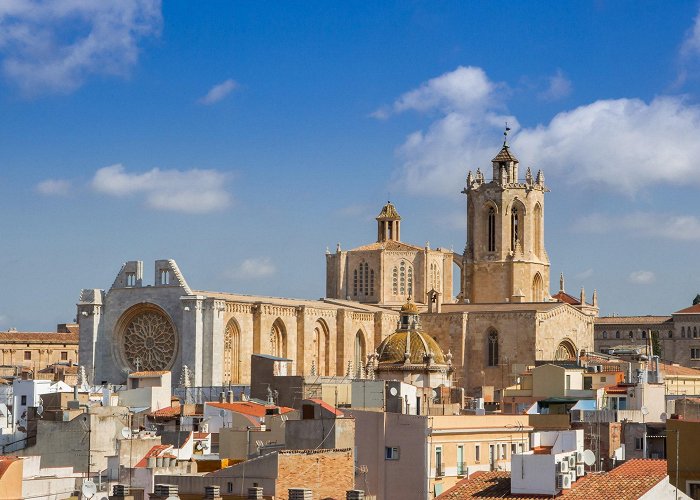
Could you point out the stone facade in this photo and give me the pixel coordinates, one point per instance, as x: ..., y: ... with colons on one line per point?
x: 389, y: 271
x: 504, y: 258
x: 677, y: 335
x: 166, y: 325
x: 36, y: 350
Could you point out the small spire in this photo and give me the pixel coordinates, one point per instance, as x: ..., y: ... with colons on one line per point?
x: 561, y: 282
x: 505, y: 136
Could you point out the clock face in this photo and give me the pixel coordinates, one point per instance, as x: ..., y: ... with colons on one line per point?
x: 393, y: 391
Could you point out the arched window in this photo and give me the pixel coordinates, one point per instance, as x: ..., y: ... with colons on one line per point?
x: 537, y: 288
x: 410, y: 281
x: 683, y: 331
x: 359, y: 356
x: 492, y: 230
x: 232, y: 354
x: 537, y: 221
x: 493, y: 348
x: 631, y: 334
x: 670, y: 334
x: 605, y: 335
x: 617, y: 334
x: 278, y: 340
x: 644, y: 334
x: 395, y: 281
x: 514, y: 227
x: 695, y: 332
x: 435, y: 276
x: 354, y: 282
x: 371, y: 282
x: 365, y: 273
x: 322, y: 348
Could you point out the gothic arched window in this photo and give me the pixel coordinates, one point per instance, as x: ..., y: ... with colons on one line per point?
x: 371, y: 282
x: 493, y: 348
x: 492, y: 230
x: 354, y: 282
x: 514, y: 227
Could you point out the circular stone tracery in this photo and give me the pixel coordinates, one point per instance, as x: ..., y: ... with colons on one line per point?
x: 149, y: 342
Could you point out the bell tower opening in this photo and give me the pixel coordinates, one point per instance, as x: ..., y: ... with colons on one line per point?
x: 388, y: 224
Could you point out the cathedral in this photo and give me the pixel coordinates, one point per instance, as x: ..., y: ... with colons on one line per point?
x: 502, y: 320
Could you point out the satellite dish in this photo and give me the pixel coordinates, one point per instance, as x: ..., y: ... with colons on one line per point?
x: 644, y: 410
x: 435, y: 393
x: 126, y: 433
x: 199, y: 446
x: 588, y: 457
x: 663, y: 417
x: 222, y: 413
x: 89, y: 489
x: 39, y: 410
x: 393, y: 391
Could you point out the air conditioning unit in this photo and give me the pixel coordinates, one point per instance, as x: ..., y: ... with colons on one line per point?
x: 572, y: 461
x: 564, y: 466
x: 580, y: 470
x: 579, y: 457
x: 563, y: 481
x: 572, y: 475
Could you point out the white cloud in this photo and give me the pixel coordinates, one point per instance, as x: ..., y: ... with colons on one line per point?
x: 189, y: 191
x: 52, y: 46
x: 558, y: 87
x: 641, y: 277
x: 643, y: 225
x: 54, y: 187
x: 218, y: 92
x: 256, y: 267
x: 466, y: 89
x: 622, y: 144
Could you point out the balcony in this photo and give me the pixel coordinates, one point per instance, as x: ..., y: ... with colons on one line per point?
x: 461, y: 468
x: 440, y: 470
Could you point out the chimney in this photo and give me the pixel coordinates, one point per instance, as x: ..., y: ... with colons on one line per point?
x: 222, y: 397
x: 212, y: 493
x: 255, y: 493
x: 230, y: 397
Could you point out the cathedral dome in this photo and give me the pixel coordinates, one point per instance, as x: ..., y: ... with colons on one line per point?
x: 393, y: 350
x: 409, y: 307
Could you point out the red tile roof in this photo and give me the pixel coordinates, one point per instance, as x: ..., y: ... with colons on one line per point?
x: 327, y: 407
x: 668, y: 369
x: 38, y: 337
x: 689, y: 310
x: 629, y: 481
x: 169, y: 411
x: 565, y: 297
x: 147, y: 374
x: 156, y: 451
x: 201, y: 435
x: 5, y: 463
x: 249, y: 408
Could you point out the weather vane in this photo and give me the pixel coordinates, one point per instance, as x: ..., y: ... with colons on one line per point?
x: 505, y: 134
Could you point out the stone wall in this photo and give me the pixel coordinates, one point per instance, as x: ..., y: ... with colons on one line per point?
x: 328, y: 473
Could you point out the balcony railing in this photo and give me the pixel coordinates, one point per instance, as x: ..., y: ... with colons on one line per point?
x: 440, y: 470
x: 461, y: 469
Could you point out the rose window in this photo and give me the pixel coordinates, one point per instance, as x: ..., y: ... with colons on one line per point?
x: 149, y: 342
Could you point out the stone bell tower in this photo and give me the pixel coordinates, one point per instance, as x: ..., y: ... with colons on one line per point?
x: 504, y: 259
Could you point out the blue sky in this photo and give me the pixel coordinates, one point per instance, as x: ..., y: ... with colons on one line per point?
x: 244, y: 138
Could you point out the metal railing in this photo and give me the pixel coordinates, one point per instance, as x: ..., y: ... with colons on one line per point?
x: 461, y: 468
x: 440, y: 470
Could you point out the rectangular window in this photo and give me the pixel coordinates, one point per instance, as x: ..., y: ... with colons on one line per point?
x: 461, y: 466
x: 27, y: 355
x: 492, y: 453
x: 503, y: 452
x: 391, y: 453
x: 477, y: 453
x: 513, y: 448
x: 229, y: 487
x: 603, y: 379
x: 64, y: 355
x: 695, y: 353
x: 638, y: 443
x: 568, y: 382
x: 23, y: 401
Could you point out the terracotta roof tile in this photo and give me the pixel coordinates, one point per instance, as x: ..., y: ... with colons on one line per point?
x: 695, y: 309
x: 565, y: 297
x: 5, y: 463
x: 634, y: 320
x: 249, y: 408
x: 156, y: 451
x: 667, y: 369
x: 327, y: 407
x: 505, y: 155
x: 387, y: 245
x: 147, y: 374
x: 629, y: 481
x: 39, y: 337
